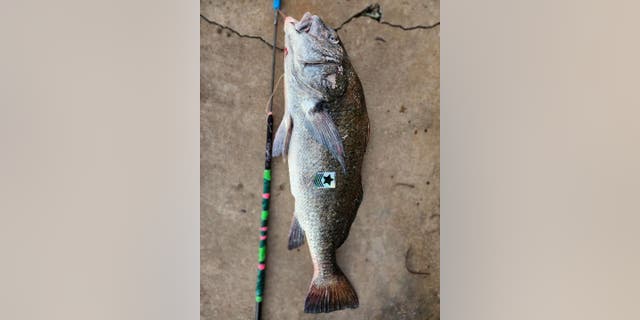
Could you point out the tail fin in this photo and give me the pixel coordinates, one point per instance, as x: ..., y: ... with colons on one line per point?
x: 332, y: 293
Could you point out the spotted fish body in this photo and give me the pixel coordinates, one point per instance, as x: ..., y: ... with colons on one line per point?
x: 323, y: 135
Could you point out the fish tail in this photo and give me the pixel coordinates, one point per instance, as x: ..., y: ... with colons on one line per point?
x: 330, y: 293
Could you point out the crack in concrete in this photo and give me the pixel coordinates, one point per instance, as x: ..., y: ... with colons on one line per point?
x: 403, y: 184
x: 238, y: 33
x: 372, y: 11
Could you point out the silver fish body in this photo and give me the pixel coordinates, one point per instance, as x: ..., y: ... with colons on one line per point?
x: 324, y: 135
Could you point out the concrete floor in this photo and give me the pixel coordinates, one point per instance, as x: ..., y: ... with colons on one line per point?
x: 392, y: 253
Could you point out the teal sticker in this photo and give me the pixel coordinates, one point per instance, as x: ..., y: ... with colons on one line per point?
x: 325, y: 180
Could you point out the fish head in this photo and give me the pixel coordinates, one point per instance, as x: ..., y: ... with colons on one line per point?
x: 314, y: 55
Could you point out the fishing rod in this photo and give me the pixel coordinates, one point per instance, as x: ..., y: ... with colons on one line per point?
x: 266, y: 185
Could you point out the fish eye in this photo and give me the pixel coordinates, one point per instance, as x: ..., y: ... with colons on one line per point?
x: 333, y: 38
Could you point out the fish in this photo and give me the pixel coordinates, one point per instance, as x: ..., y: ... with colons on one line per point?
x: 323, y: 137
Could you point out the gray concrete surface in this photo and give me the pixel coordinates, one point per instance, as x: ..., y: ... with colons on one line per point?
x: 392, y: 253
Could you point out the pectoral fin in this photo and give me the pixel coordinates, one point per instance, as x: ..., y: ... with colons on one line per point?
x: 283, y: 136
x: 322, y: 128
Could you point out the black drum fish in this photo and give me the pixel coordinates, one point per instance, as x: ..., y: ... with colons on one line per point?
x: 323, y: 136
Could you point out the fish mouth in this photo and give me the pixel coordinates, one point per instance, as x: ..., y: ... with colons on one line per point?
x: 302, y: 25
x: 325, y: 61
x: 290, y: 23
x: 290, y: 19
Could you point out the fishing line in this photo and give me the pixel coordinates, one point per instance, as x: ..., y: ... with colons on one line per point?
x: 267, y: 108
x: 282, y: 14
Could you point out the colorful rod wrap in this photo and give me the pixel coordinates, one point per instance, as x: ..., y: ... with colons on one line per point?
x: 264, y: 216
